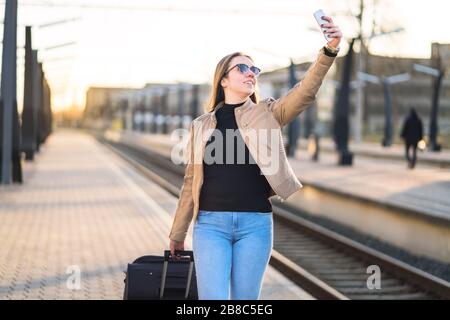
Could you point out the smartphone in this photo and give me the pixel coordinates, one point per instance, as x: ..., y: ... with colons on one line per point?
x: 318, y: 15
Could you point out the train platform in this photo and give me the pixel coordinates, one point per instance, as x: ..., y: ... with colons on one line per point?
x: 423, y: 190
x: 80, y: 216
x: 394, y: 152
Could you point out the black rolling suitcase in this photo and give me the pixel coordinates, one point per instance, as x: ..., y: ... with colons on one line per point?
x: 156, y: 277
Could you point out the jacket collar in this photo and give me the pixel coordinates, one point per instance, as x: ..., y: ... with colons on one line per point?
x: 247, y: 104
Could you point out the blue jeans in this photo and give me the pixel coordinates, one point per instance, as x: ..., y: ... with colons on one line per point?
x: 231, y: 252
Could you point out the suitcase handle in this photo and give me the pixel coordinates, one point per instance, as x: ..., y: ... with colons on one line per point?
x: 182, y: 253
x: 164, y: 272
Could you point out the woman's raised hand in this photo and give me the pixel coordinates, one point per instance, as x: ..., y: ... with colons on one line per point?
x: 332, y: 31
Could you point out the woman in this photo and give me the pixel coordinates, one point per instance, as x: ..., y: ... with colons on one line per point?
x: 226, y: 191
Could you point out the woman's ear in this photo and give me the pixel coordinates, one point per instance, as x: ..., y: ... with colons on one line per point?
x: 223, y: 82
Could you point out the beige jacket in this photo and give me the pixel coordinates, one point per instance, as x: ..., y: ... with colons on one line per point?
x: 267, y: 116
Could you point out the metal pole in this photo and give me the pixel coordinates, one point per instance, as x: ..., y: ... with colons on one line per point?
x: 357, y: 132
x: 294, y: 125
x: 309, y: 122
x: 387, y: 141
x: 16, y: 136
x: 195, y: 101
x: 154, y: 107
x: 181, y: 104
x: 341, y: 111
x: 39, y: 107
x: 47, y: 109
x: 28, y: 98
x: 164, y: 111
x: 34, y: 106
x: 434, y: 146
x: 8, y: 86
x: 437, y: 85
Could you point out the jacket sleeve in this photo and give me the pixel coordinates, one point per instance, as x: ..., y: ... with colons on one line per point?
x: 303, y: 94
x: 185, y: 206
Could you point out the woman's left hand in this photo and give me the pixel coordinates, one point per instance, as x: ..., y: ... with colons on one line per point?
x: 332, y: 30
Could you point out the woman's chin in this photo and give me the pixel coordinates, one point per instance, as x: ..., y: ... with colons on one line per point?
x: 248, y: 92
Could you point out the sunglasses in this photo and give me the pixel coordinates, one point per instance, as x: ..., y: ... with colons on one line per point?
x: 243, y: 68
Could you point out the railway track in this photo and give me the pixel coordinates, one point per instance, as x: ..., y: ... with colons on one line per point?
x: 324, y: 263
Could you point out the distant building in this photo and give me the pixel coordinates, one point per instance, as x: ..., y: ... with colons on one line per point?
x: 162, y: 107
x: 157, y: 107
x: 98, y: 111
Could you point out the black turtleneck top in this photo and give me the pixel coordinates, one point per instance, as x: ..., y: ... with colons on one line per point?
x: 232, y: 186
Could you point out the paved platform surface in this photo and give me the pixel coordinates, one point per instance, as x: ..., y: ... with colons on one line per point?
x: 424, y: 190
x: 83, y: 211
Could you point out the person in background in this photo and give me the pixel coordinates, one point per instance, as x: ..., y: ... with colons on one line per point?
x: 412, y: 134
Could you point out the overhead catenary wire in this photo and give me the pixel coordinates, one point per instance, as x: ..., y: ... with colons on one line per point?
x: 93, y: 6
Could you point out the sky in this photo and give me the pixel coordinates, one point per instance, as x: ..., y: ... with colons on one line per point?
x: 130, y: 43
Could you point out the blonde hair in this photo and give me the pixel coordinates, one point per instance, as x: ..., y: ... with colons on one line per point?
x: 217, y: 93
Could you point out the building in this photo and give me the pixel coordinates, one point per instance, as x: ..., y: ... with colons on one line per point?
x: 98, y: 112
x: 157, y: 107
x: 162, y: 107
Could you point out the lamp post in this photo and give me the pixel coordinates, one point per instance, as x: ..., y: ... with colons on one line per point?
x: 386, y: 82
x: 9, y: 128
x: 294, y: 125
x: 341, y: 111
x: 439, y: 75
x: 361, y: 67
